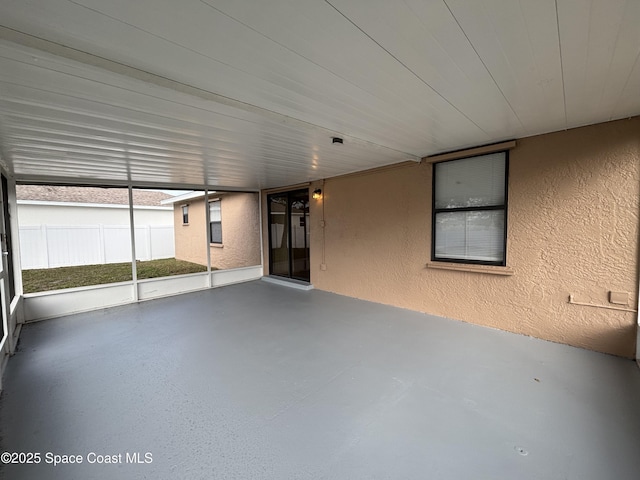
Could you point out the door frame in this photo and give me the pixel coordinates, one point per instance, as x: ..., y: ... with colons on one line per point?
x: 9, y: 282
x: 289, y: 194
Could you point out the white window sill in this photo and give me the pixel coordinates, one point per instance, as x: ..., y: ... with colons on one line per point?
x: 216, y: 245
x: 467, y: 267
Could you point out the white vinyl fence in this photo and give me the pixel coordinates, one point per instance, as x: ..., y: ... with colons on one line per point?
x: 51, y: 246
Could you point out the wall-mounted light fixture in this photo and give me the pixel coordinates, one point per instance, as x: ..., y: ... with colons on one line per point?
x: 317, y: 194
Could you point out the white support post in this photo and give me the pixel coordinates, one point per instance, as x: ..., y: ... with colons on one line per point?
x: 260, y: 220
x: 132, y: 231
x: 207, y: 216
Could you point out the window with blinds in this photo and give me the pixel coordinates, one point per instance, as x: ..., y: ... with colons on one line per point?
x: 470, y: 210
x: 215, y: 222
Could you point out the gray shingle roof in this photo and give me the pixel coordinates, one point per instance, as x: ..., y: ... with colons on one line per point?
x: 110, y: 196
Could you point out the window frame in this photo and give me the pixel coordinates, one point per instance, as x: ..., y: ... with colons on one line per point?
x: 185, y: 213
x: 215, y: 200
x: 503, y: 207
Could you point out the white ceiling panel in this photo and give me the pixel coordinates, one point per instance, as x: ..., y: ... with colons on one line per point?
x: 427, y: 40
x: 247, y: 95
x: 314, y: 79
x: 628, y: 103
x: 55, y: 117
x: 597, y: 34
x: 518, y: 43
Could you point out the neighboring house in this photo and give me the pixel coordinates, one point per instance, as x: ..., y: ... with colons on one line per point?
x: 233, y: 232
x: 65, y: 226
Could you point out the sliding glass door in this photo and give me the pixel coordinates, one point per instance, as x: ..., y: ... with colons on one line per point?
x: 289, y: 234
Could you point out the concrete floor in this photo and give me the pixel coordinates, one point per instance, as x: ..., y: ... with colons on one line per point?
x: 259, y: 381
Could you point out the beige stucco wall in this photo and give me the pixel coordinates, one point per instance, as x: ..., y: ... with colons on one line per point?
x: 190, y: 239
x: 240, y: 232
x: 572, y: 229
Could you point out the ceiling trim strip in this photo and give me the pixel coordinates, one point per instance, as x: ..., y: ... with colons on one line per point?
x: 470, y: 152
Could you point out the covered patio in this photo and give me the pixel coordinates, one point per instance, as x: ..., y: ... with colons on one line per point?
x: 478, y: 321
x: 262, y: 381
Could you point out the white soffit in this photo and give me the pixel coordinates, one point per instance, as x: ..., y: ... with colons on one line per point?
x: 267, y: 84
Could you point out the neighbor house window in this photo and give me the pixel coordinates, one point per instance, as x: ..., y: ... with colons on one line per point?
x: 185, y: 214
x: 470, y: 210
x: 215, y: 222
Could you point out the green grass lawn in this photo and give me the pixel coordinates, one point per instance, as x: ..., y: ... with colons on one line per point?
x: 41, y: 280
